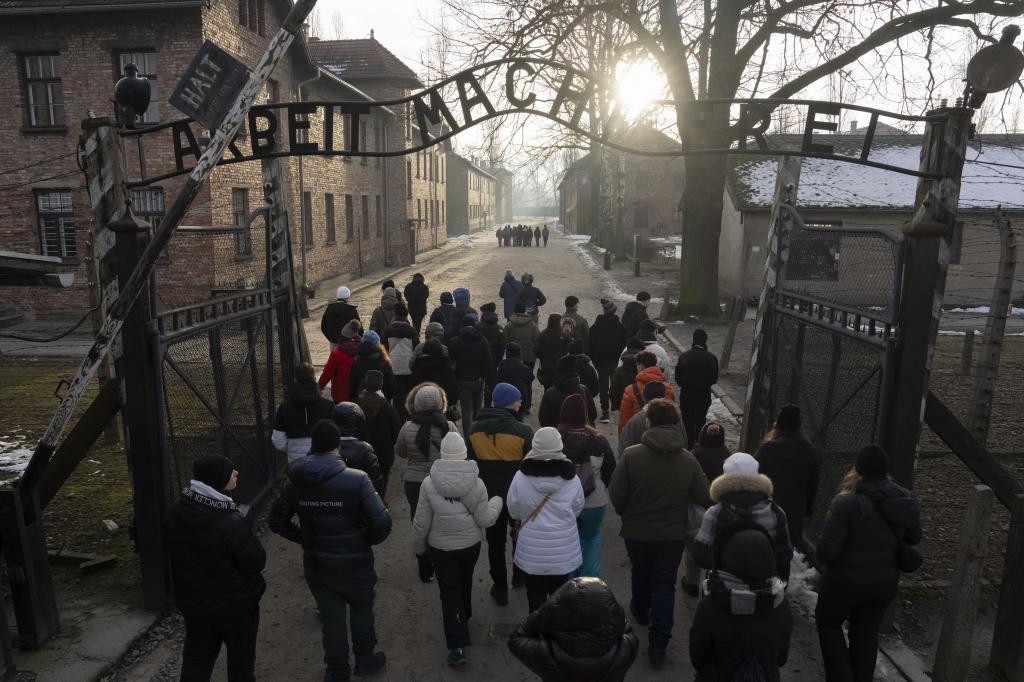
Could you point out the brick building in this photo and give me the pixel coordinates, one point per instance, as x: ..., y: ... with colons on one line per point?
x: 504, y: 189
x: 471, y: 195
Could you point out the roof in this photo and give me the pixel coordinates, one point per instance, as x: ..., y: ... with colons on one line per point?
x: 573, y: 167
x: 472, y: 165
x: 67, y: 6
x: 993, y: 175
x: 28, y: 269
x: 362, y: 58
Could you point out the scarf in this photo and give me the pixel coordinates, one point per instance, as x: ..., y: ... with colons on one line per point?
x: 427, y: 420
x: 740, y: 598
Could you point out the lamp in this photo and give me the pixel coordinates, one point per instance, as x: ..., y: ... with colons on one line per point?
x: 132, y: 95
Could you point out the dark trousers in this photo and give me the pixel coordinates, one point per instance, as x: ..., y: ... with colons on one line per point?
x: 334, y: 596
x: 471, y: 395
x: 454, y: 571
x: 528, y: 393
x: 864, y: 606
x: 655, y: 566
x: 545, y: 240
x: 412, y: 496
x: 695, y: 414
x: 496, y: 536
x: 540, y: 587
x: 203, y: 638
x: 605, y: 369
x: 417, y: 321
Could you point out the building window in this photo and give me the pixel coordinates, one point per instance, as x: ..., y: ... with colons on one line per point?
x: 307, y: 218
x: 250, y: 15
x: 239, y: 215
x: 366, y: 215
x: 44, y: 93
x: 145, y: 60
x: 332, y: 236
x: 408, y: 174
x: 56, y: 223
x: 350, y: 220
x: 148, y: 204
x: 380, y: 217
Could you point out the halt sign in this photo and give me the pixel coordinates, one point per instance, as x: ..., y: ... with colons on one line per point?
x: 210, y: 85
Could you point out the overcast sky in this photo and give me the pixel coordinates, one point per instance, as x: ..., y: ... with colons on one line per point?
x: 396, y: 23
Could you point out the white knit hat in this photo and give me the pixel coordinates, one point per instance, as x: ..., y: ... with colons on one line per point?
x: 740, y: 463
x: 452, y: 446
x: 547, y: 444
x: 343, y: 293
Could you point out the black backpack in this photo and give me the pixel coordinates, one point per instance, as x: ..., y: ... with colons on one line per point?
x: 750, y: 670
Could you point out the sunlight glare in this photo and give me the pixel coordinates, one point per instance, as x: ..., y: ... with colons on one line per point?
x: 637, y: 84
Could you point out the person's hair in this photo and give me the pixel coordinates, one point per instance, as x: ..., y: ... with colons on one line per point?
x: 646, y: 358
x: 776, y: 432
x: 563, y: 428
x: 305, y: 371
x: 384, y: 354
x: 554, y: 324
x: 643, y: 296
x: 662, y: 412
x: 849, y: 483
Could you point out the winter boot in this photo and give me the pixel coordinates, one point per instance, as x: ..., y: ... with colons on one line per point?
x: 367, y: 665
x: 425, y: 567
x: 500, y: 595
x: 456, y: 657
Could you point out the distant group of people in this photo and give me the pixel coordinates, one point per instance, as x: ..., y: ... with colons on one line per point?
x: 521, y: 235
x: 449, y: 398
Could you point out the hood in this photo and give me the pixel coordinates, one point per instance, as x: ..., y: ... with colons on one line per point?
x: 491, y: 420
x: 372, y: 403
x: 349, y: 346
x: 469, y: 333
x: 585, y: 622
x: 580, y: 443
x: 510, y: 278
x: 667, y: 440
x: 430, y: 364
x: 899, y: 507
x: 305, y: 393
x: 342, y: 305
x: 568, y: 383
x: 196, y: 510
x: 312, y: 470
x: 434, y: 330
x: 389, y: 299
x: 520, y: 319
x: 649, y: 374
x: 461, y: 296
x: 739, y: 598
x: 454, y: 479
x: 548, y: 475
x: 741, y: 489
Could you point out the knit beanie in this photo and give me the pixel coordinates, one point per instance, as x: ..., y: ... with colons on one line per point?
x: 370, y: 336
x: 350, y: 330
x: 740, y: 463
x: 653, y: 390
x: 700, y: 337
x: 325, y: 436
x: 446, y: 297
x: 643, y: 296
x: 373, y: 381
x: 574, y: 412
x: 504, y: 395
x: 343, y: 294
x: 571, y: 302
x: 433, y: 347
x: 608, y: 307
x: 453, y: 447
x: 566, y: 365
x: 513, y: 350
x: 712, y: 435
x: 872, y: 462
x: 468, y: 320
x: 428, y: 398
x: 388, y: 284
x: 488, y: 308
x: 213, y: 470
x: 789, y: 418
x: 547, y: 444
x: 435, y: 330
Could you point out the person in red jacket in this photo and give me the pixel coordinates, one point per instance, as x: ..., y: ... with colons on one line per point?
x: 339, y: 363
x: 633, y: 396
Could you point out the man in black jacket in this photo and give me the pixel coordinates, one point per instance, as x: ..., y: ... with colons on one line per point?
x: 416, y: 294
x: 635, y: 313
x: 337, y: 315
x: 607, y: 341
x: 296, y: 415
x: 341, y: 518
x: 217, y: 563
x: 471, y: 355
x: 696, y: 373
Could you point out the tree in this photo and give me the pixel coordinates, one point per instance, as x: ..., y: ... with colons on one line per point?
x: 724, y: 49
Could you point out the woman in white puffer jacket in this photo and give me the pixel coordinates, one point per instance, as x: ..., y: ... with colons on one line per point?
x: 452, y: 509
x: 546, y: 497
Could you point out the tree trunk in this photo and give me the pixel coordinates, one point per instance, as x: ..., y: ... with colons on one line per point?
x: 702, y: 223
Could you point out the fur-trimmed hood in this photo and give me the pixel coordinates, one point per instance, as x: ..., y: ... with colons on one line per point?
x: 548, y: 467
x: 748, y: 488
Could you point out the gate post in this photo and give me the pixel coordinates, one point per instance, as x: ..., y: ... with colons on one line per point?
x: 924, y: 283
x: 282, y: 278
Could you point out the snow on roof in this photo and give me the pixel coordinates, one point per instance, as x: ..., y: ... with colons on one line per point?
x: 993, y: 175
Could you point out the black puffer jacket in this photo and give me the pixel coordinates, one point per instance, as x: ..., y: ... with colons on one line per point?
x: 550, y: 347
x: 471, y: 356
x: 336, y: 316
x: 711, y: 459
x: 304, y: 408
x: 532, y: 297
x: 793, y: 465
x: 564, y: 386
x: 493, y: 333
x: 369, y: 357
x: 216, y: 560
x: 514, y: 371
x: 416, y: 295
x: 580, y: 634
x: 587, y: 372
x: 437, y: 369
x: 382, y: 427
x: 577, y: 444
x: 607, y: 338
x: 857, y: 545
x: 632, y: 315
x: 696, y: 373
x: 623, y: 376
x: 340, y: 513
x: 359, y: 455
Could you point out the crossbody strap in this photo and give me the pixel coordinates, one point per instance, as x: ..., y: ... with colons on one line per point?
x: 536, y: 511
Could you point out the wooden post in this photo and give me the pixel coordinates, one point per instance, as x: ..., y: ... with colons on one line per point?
x: 282, y: 276
x: 1008, y: 634
x: 738, y: 311
x: 995, y: 329
x: 967, y: 357
x: 953, y: 655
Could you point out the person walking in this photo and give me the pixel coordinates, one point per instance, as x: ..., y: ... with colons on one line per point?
x: 434, y: 366
x: 545, y: 233
x: 297, y: 414
x: 742, y: 627
x: 647, y: 371
x: 471, y: 356
x: 634, y: 313
x: 339, y: 362
x: 352, y: 446
x: 648, y: 334
x: 787, y: 457
x: 493, y: 334
x: 371, y: 355
x: 337, y: 315
x: 696, y: 373
x: 401, y: 338
x: 462, y: 307
x: 546, y: 497
x: 419, y: 443
x: 579, y: 634
x: 417, y: 293
x: 584, y: 367
x: 444, y: 314
x: 217, y: 564
x: 634, y: 429
x: 382, y: 424
x: 433, y: 330
x: 592, y: 454
x: 625, y: 374
x: 607, y: 341
x: 512, y: 370
x: 549, y: 349
x: 385, y: 312
x: 523, y: 329
x: 536, y: 234
x: 711, y: 451
x: 498, y: 441
x: 451, y: 510
x: 652, y: 488
x: 341, y: 517
x: 530, y: 295
x: 868, y: 540
x: 566, y: 382
x: 508, y: 291
x: 582, y: 326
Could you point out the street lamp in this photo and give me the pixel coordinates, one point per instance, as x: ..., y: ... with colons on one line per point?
x: 132, y: 95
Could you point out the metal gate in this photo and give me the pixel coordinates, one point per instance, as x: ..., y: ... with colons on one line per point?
x: 831, y: 337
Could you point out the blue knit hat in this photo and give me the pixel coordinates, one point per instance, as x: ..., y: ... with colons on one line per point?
x: 504, y: 395
x: 371, y: 336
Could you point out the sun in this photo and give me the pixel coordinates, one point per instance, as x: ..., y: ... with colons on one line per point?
x: 637, y: 85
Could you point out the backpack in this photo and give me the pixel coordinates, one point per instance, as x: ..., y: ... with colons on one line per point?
x: 724, y: 533
x: 585, y: 472
x: 750, y: 670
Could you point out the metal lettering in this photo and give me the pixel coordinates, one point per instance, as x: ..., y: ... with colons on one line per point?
x: 263, y: 142
x: 809, y: 147
x: 510, y: 85
x: 479, y: 98
x: 432, y: 113
x: 295, y: 124
x: 566, y: 93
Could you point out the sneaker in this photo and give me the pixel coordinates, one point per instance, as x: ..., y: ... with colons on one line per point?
x: 690, y: 589
x: 366, y: 665
x: 656, y: 656
x: 456, y: 657
x: 641, y: 619
x: 499, y: 595
x: 604, y: 418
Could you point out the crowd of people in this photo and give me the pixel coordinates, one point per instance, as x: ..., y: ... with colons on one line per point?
x: 522, y: 235
x: 449, y: 398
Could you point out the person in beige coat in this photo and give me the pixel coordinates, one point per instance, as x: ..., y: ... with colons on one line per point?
x: 452, y: 509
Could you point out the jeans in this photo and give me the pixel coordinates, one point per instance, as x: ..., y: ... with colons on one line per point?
x: 470, y: 396
x: 540, y: 587
x: 333, y: 595
x: 605, y: 369
x: 864, y: 606
x: 655, y: 566
x: 203, y: 638
x: 496, y: 536
x: 454, y: 571
x: 589, y: 524
x: 695, y: 414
